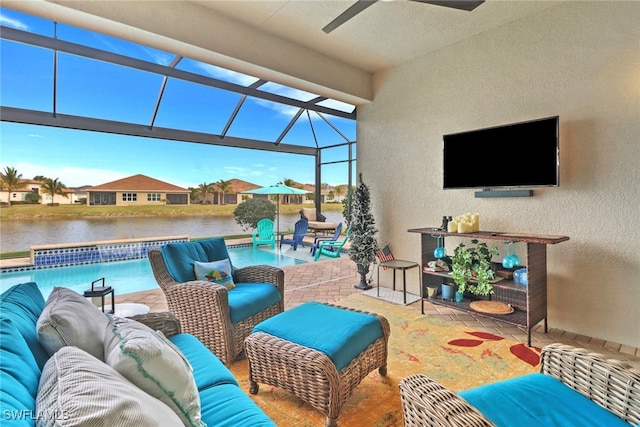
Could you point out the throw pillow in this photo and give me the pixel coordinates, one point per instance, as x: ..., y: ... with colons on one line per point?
x: 68, y: 318
x: 217, y: 271
x: 150, y: 361
x: 76, y: 389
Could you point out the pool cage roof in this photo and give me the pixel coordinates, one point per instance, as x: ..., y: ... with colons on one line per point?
x: 136, y: 90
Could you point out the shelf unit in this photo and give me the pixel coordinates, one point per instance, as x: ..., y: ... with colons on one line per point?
x: 529, y: 302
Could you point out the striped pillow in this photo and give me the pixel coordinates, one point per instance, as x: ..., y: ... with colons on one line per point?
x: 76, y: 389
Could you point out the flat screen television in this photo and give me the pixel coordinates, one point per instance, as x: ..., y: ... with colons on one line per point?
x: 517, y: 155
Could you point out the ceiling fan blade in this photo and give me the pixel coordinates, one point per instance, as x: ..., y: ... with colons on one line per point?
x: 355, y: 9
x: 467, y: 5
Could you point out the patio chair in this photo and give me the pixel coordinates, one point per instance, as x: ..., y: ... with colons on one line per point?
x: 299, y: 232
x: 318, y: 239
x: 317, y: 222
x: 264, y: 235
x: 219, y: 315
x: 331, y: 248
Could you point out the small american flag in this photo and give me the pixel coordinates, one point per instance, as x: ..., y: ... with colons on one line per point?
x: 385, y: 255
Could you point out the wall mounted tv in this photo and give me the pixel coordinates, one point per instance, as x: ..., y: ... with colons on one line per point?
x: 513, y: 156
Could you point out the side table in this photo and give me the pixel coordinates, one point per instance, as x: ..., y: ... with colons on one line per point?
x: 399, y: 264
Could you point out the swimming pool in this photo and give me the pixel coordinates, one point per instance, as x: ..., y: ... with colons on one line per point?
x: 127, y: 276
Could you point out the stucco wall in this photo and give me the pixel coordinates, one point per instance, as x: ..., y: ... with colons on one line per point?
x: 578, y: 60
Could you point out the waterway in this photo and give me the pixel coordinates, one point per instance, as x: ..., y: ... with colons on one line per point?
x: 17, y: 236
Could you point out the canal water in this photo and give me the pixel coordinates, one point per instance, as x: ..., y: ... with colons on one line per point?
x: 17, y: 236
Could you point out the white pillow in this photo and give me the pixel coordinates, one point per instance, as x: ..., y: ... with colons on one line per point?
x: 68, y: 318
x: 216, y: 271
x: 76, y: 389
x: 155, y: 365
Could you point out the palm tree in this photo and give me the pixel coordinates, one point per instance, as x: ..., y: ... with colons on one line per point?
x: 53, y: 187
x: 338, y: 191
x: 11, y: 180
x: 223, y: 187
x: 204, y: 189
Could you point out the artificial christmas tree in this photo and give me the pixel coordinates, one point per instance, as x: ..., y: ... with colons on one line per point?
x: 362, y: 226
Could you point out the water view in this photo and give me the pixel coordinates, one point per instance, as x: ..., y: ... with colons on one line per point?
x: 132, y: 275
x: 19, y: 236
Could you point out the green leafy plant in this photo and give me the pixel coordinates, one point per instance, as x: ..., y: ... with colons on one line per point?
x: 471, y: 267
x: 249, y: 212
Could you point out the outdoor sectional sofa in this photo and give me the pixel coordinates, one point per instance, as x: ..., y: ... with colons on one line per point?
x: 574, y: 388
x: 145, y: 379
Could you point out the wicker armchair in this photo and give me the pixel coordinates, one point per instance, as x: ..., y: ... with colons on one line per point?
x: 203, y: 310
x: 612, y: 384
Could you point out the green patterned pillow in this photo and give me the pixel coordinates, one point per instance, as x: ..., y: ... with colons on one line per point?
x: 217, y: 271
x: 150, y: 361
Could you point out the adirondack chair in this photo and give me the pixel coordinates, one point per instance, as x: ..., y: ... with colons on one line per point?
x: 318, y: 239
x: 331, y: 248
x: 299, y: 231
x: 264, y: 234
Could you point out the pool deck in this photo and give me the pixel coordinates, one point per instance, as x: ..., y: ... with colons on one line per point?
x: 331, y: 279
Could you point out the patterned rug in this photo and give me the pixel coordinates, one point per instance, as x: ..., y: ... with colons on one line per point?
x: 457, y: 357
x: 390, y: 295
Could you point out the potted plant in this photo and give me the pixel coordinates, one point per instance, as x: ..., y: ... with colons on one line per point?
x: 361, y: 224
x: 471, y: 268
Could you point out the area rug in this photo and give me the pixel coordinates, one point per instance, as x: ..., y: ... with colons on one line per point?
x: 395, y: 297
x: 455, y: 356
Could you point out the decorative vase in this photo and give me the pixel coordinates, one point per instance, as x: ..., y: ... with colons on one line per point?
x: 362, y: 271
x: 459, y: 296
x: 448, y: 291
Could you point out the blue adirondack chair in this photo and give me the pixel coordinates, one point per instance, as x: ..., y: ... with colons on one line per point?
x: 264, y: 235
x: 299, y: 231
x: 331, y: 248
x: 319, y: 239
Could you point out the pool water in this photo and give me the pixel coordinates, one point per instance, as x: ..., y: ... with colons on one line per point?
x: 126, y: 276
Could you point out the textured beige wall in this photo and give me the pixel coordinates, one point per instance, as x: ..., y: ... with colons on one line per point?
x: 579, y: 60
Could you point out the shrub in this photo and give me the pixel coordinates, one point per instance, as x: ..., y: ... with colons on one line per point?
x: 249, y: 212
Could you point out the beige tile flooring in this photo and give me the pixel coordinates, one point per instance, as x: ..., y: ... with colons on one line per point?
x: 329, y: 280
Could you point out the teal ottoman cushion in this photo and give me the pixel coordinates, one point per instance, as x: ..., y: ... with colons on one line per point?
x: 340, y: 334
x: 538, y: 400
x: 247, y: 299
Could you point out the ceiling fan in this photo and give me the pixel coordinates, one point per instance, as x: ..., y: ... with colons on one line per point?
x: 361, y: 5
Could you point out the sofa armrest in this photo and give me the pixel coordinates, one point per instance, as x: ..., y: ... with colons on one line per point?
x: 612, y: 384
x: 425, y: 402
x: 164, y: 322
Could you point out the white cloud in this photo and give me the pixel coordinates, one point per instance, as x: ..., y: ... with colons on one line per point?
x: 226, y: 75
x: 14, y: 23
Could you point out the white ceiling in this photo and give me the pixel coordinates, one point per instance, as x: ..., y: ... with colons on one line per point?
x: 283, y: 41
x: 385, y: 35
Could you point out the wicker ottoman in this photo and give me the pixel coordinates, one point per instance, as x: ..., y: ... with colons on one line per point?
x: 319, y: 352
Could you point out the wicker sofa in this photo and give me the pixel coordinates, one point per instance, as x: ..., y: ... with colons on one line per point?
x: 219, y: 317
x: 574, y: 387
x: 317, y: 221
x: 71, y: 386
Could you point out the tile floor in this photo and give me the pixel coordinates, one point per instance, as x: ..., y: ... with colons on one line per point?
x: 328, y: 281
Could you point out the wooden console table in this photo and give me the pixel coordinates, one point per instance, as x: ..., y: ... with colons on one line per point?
x: 529, y: 302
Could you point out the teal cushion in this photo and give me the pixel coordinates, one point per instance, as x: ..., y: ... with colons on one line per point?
x: 215, y: 250
x: 19, y: 372
x: 179, y: 259
x: 228, y: 406
x: 23, y: 304
x: 538, y: 400
x: 247, y: 299
x: 208, y: 370
x: 340, y: 334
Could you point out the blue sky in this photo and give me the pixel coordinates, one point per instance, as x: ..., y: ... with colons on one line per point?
x: 100, y: 90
